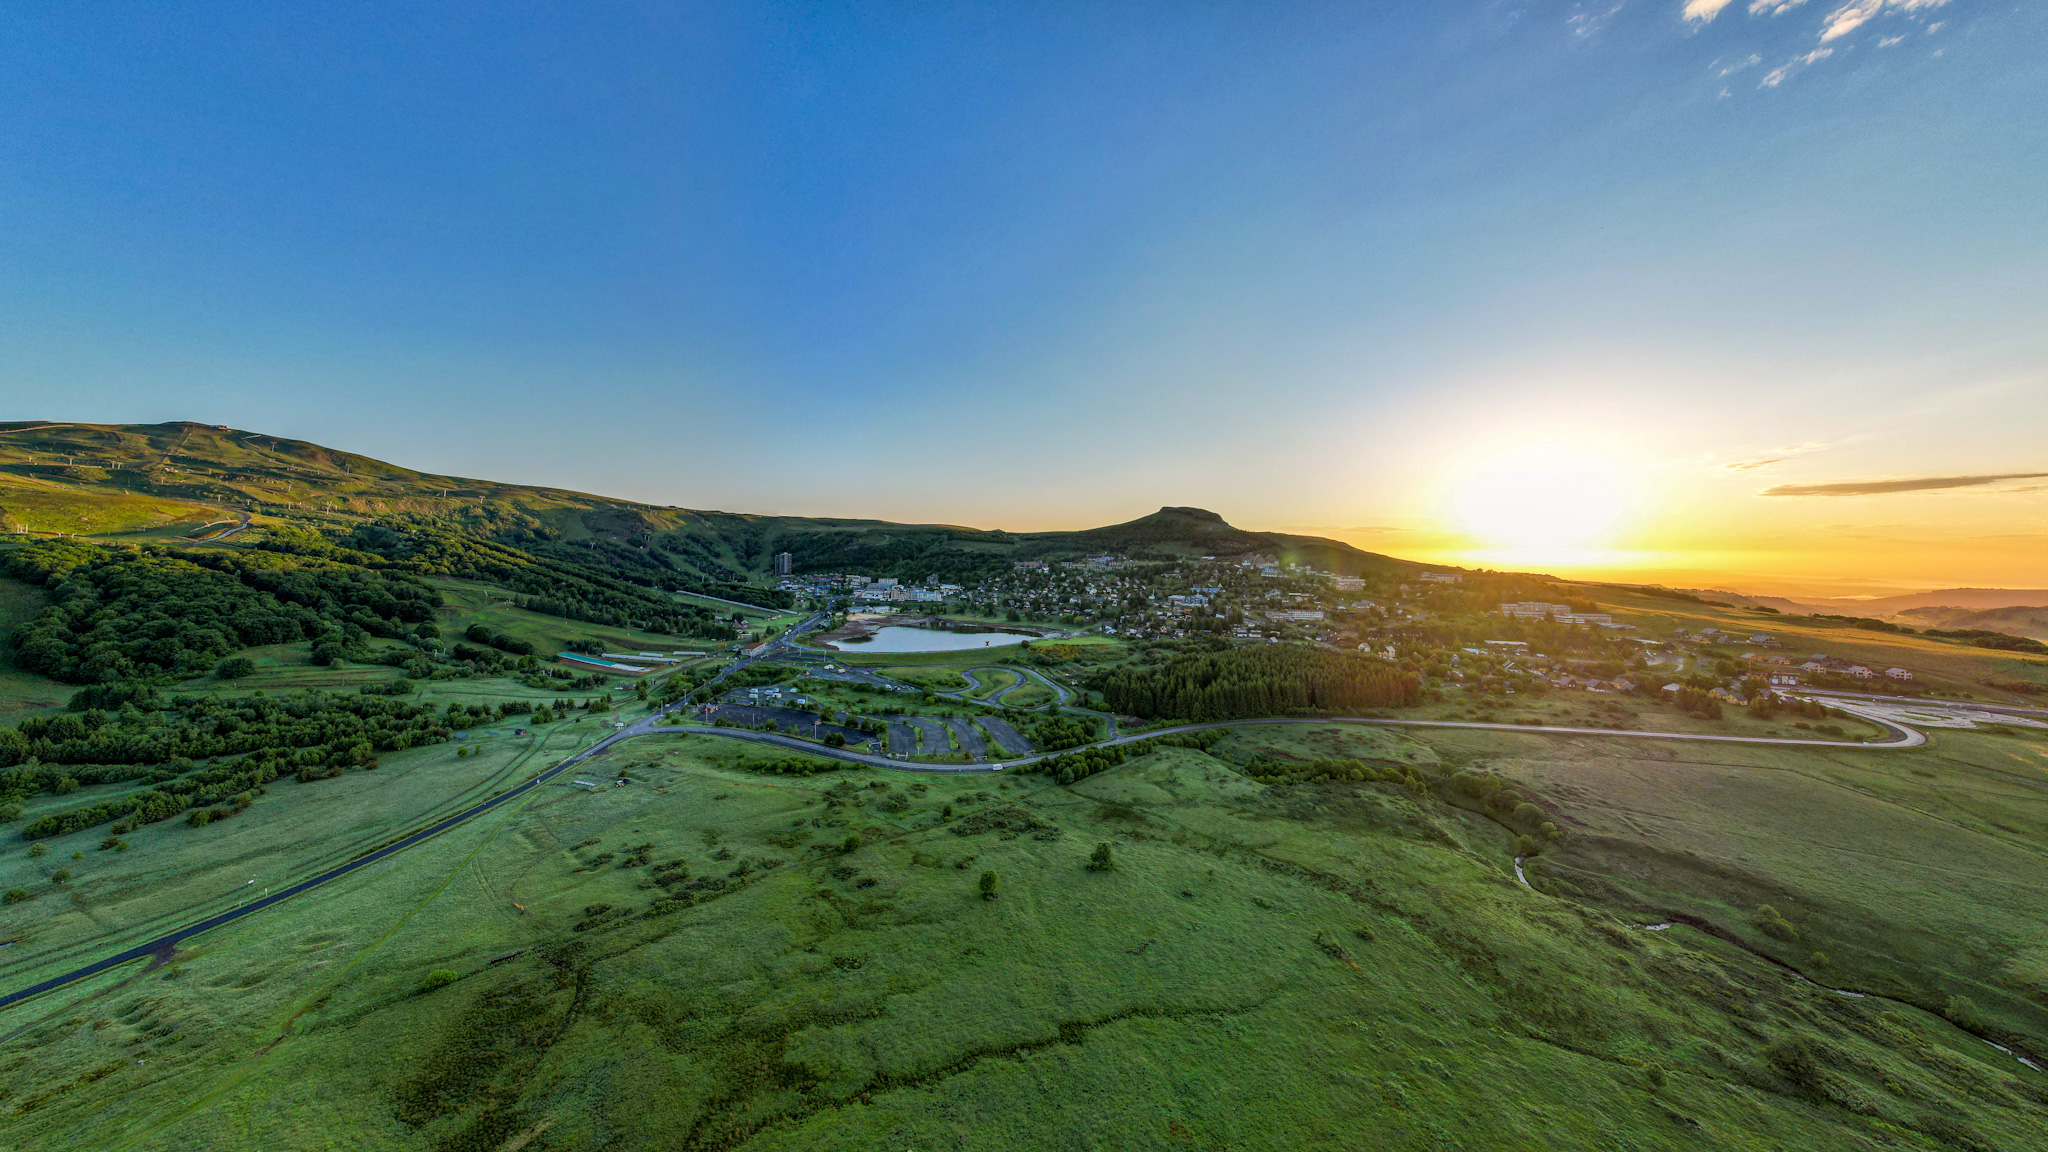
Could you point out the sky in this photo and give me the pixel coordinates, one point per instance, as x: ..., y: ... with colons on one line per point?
x: 1736, y: 293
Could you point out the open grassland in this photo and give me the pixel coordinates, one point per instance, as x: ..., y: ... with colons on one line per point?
x: 1578, y: 709
x: 1947, y: 666
x: 702, y: 960
x: 1919, y: 873
x: 172, y: 873
x: 49, y: 506
x: 473, y: 602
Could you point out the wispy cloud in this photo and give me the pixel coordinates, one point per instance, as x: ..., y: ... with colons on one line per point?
x: 1838, y: 23
x: 1887, y: 487
x: 1776, y: 76
x: 1748, y: 465
x: 1750, y: 61
x: 1585, y: 20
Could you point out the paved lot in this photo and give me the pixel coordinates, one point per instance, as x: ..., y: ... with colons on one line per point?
x: 902, y: 739
x: 931, y: 733
x: 969, y: 738
x: 1009, y: 739
x: 782, y: 718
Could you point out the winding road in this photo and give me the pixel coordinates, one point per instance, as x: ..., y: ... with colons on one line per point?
x: 164, y: 945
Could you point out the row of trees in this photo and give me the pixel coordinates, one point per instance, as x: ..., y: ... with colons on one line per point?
x: 149, y: 731
x: 1268, y: 680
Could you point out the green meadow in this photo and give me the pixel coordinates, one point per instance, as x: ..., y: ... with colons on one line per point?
x: 717, y: 957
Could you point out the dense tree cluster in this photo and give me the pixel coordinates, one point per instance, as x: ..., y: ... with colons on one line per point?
x: 479, y: 634
x: 312, y: 736
x: 1269, y: 680
x: 1058, y: 733
x: 198, y: 727
x: 546, y: 585
x: 118, y: 613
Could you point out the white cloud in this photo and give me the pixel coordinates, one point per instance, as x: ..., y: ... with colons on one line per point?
x: 1848, y: 18
x: 1704, y: 10
x: 1772, y: 7
x: 1889, y: 41
x: 1855, y: 14
x: 1776, y: 76
x: 1751, y: 61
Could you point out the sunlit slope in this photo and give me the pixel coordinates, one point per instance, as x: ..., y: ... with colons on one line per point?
x: 112, y: 480
x: 1266, y: 967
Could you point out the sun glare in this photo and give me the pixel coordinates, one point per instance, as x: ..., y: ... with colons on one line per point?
x: 1545, y: 499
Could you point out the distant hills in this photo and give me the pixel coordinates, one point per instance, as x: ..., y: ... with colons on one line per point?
x: 187, y: 481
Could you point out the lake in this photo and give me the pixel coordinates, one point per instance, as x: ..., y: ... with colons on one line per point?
x: 910, y: 638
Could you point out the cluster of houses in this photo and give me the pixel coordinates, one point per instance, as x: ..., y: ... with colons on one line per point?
x: 1561, y: 613
x: 1783, y: 670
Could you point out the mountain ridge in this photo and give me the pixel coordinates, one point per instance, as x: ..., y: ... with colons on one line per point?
x: 161, y: 481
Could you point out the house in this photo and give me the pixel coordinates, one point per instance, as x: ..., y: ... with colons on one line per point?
x: 1441, y: 578
x: 1898, y: 673
x: 1624, y: 684
x: 1785, y: 679
x: 1860, y: 672
x: 1534, y: 610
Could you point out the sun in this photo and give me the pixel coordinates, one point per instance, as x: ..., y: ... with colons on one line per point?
x: 1540, y: 498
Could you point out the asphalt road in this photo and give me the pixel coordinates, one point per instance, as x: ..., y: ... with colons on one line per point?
x: 1902, y: 737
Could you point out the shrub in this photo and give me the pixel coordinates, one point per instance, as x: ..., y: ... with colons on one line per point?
x: 988, y: 886
x: 439, y: 978
x: 234, y: 668
x: 851, y: 844
x: 1962, y: 1012
x: 16, y: 895
x: 1774, y: 925
x: 37, y: 849
x: 1101, y: 861
x: 61, y: 875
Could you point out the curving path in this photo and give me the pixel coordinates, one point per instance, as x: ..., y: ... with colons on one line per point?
x: 1902, y: 737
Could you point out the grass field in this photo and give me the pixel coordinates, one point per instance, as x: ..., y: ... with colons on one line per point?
x: 1946, y: 666
x: 1288, y: 966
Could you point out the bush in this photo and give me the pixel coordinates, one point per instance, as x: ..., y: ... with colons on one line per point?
x: 988, y: 885
x: 234, y: 668
x: 1774, y: 925
x: 16, y: 895
x: 439, y: 978
x: 1101, y: 860
x: 37, y: 849
x: 851, y: 844
x: 1962, y: 1012
x: 61, y: 875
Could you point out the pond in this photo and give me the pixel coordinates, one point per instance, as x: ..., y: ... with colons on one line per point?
x: 911, y: 638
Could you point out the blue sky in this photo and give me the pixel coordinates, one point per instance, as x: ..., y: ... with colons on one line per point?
x: 1034, y: 265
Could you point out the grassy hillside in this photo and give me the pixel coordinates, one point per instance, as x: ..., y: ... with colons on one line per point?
x: 1267, y: 966
x: 168, y: 480
x: 1942, y: 665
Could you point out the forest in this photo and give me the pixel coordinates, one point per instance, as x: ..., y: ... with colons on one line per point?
x: 249, y: 741
x: 1273, y: 680
x: 120, y: 613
